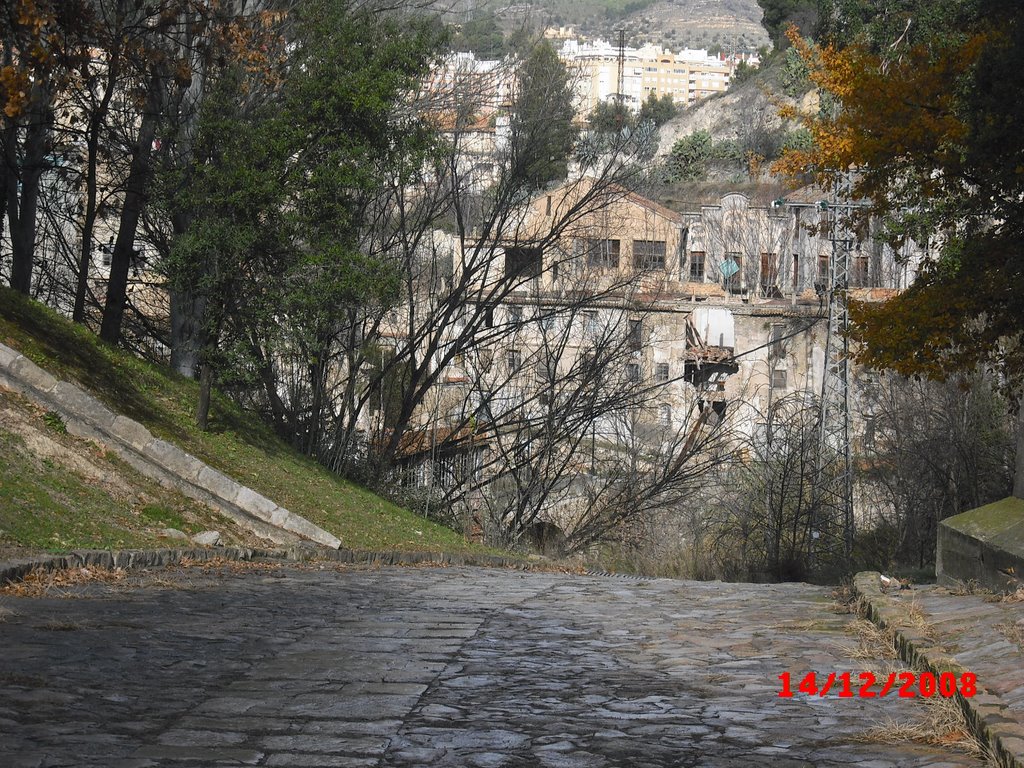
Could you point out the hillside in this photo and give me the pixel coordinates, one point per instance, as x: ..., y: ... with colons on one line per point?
x: 731, y: 25
x: 58, y: 492
x: 747, y: 118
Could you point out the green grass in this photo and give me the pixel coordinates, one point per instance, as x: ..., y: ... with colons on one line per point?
x: 236, y: 443
x: 45, y: 504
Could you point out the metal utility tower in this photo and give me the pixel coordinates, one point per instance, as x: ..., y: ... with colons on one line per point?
x: 620, y: 86
x: 832, y: 527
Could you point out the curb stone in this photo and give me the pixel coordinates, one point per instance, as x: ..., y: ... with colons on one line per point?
x: 12, y: 572
x: 986, y: 713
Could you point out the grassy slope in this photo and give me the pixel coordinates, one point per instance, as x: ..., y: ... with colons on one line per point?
x: 58, y: 492
x: 236, y: 443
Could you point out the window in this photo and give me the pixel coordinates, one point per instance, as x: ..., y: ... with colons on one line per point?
x: 547, y: 207
x: 590, y: 321
x: 869, y: 431
x: 649, y: 254
x: 546, y: 370
x: 779, y: 378
x: 776, y: 341
x: 661, y: 373
x: 635, y: 337
x: 515, y: 314
x: 665, y: 413
x: 859, y: 271
x: 485, y: 359
x: 697, y: 266
x: 523, y: 262
x: 796, y: 270
x: 732, y: 271
x: 601, y: 253
x: 823, y: 268
x: 633, y: 373
x: 513, y: 360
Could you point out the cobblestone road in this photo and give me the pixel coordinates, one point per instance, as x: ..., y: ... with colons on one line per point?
x: 433, y: 667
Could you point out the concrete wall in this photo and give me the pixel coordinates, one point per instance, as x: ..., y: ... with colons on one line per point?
x: 985, y: 545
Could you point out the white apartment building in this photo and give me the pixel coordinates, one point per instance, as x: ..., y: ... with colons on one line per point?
x: 687, y: 75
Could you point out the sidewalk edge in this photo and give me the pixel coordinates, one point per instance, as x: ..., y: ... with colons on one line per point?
x: 986, y: 713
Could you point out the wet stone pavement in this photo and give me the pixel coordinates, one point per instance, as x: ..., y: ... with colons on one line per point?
x: 433, y: 667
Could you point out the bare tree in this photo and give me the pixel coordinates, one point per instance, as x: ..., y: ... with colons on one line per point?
x: 765, y: 521
x: 928, y: 450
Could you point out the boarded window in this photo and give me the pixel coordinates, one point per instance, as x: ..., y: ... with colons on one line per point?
x: 649, y: 254
x: 777, y: 341
x: 769, y: 273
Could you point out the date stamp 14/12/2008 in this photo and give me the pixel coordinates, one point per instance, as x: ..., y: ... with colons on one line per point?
x: 867, y: 685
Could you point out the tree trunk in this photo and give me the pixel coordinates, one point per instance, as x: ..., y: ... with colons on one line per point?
x: 187, y: 317
x: 134, y: 200
x: 205, y: 386
x: 91, y: 173
x: 22, y: 203
x: 1018, y: 477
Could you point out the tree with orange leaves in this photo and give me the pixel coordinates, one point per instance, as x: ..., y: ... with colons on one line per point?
x: 931, y: 123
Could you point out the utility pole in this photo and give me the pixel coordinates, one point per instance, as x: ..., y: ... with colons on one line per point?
x: 832, y: 525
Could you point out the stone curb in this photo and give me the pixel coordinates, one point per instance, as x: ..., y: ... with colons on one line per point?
x: 986, y: 713
x: 13, y: 572
x: 88, y: 418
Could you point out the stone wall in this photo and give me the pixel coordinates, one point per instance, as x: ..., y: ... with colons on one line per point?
x: 88, y: 418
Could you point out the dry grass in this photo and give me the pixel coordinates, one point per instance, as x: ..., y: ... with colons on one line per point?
x: 845, y: 600
x: 942, y: 724
x: 62, y: 583
x: 873, y: 642
x: 915, y: 618
x: 969, y: 587
x: 1013, y: 631
x: 1017, y: 596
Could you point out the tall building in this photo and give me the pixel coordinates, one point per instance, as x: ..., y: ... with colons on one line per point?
x: 687, y: 75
